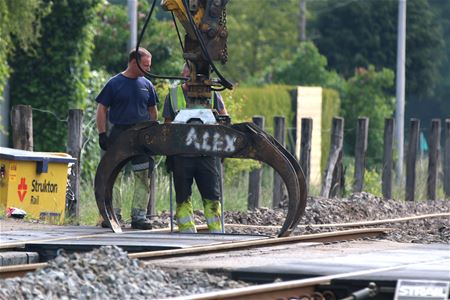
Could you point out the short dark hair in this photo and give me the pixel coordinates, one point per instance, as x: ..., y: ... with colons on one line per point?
x: 141, y: 52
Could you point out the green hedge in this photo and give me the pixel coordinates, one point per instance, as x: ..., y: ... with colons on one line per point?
x: 331, y: 105
x: 277, y: 100
x: 267, y: 101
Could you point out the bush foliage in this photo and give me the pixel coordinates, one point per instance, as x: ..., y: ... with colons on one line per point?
x: 53, y: 77
x: 307, y: 68
x: 367, y: 94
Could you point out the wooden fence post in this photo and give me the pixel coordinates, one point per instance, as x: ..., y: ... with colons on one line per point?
x: 411, y: 159
x: 74, y: 144
x: 333, y: 175
x: 22, y: 127
x: 255, y: 176
x: 433, y: 158
x: 360, y: 153
x: 447, y: 158
x: 386, y: 185
x: 305, y: 148
x: 279, y: 134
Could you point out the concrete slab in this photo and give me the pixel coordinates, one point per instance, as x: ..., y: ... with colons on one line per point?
x: 18, y: 258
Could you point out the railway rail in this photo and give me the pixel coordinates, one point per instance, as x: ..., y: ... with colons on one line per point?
x: 20, y: 270
x: 300, y: 289
x: 352, y: 224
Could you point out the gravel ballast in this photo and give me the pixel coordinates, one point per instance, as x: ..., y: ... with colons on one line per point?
x: 356, y: 208
x: 108, y: 273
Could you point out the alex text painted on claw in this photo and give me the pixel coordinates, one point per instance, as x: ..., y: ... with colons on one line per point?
x: 207, y: 141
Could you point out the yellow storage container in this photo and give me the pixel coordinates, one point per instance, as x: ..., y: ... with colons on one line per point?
x: 35, y: 182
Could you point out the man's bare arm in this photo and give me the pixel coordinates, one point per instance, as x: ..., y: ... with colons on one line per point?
x: 153, y: 113
x: 101, y: 118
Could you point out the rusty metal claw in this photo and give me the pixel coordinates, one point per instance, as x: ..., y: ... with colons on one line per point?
x: 243, y: 140
x: 300, y: 176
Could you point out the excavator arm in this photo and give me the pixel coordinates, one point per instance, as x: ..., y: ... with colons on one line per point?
x: 205, y: 42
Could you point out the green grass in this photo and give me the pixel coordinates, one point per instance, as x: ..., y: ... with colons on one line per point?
x: 123, y: 190
x: 235, y: 194
x: 88, y: 207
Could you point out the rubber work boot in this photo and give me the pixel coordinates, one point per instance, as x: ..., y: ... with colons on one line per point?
x: 185, y: 217
x: 105, y: 224
x: 212, y: 214
x: 139, y: 219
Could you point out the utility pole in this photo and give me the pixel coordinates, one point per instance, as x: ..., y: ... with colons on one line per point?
x: 132, y: 17
x: 400, y: 86
x: 302, y: 21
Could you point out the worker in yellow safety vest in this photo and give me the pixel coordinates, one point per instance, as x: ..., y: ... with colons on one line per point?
x: 186, y: 168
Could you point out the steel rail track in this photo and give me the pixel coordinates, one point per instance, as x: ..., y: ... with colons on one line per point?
x: 292, y: 289
x: 350, y: 224
x: 20, y: 270
x: 318, y: 237
x: 204, y: 228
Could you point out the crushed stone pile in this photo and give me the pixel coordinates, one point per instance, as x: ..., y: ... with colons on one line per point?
x: 108, y: 273
x: 355, y: 208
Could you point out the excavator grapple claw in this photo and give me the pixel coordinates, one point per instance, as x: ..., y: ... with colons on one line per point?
x: 244, y: 140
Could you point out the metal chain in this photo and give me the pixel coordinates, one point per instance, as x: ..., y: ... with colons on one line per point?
x: 223, y: 24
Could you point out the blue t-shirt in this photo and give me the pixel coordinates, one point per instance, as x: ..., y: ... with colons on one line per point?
x: 128, y: 99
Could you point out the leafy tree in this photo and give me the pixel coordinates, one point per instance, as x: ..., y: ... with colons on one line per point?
x: 307, y: 67
x: 20, y: 20
x: 112, y: 35
x: 367, y: 95
x: 365, y: 32
x: 442, y: 12
x: 424, y: 39
x: 53, y: 77
x: 260, y: 36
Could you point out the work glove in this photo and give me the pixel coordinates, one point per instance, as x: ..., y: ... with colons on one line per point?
x: 103, y: 141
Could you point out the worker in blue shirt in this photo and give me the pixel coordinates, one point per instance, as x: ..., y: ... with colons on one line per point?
x: 129, y: 98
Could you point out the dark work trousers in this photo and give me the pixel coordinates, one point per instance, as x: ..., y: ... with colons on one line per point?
x: 201, y: 168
